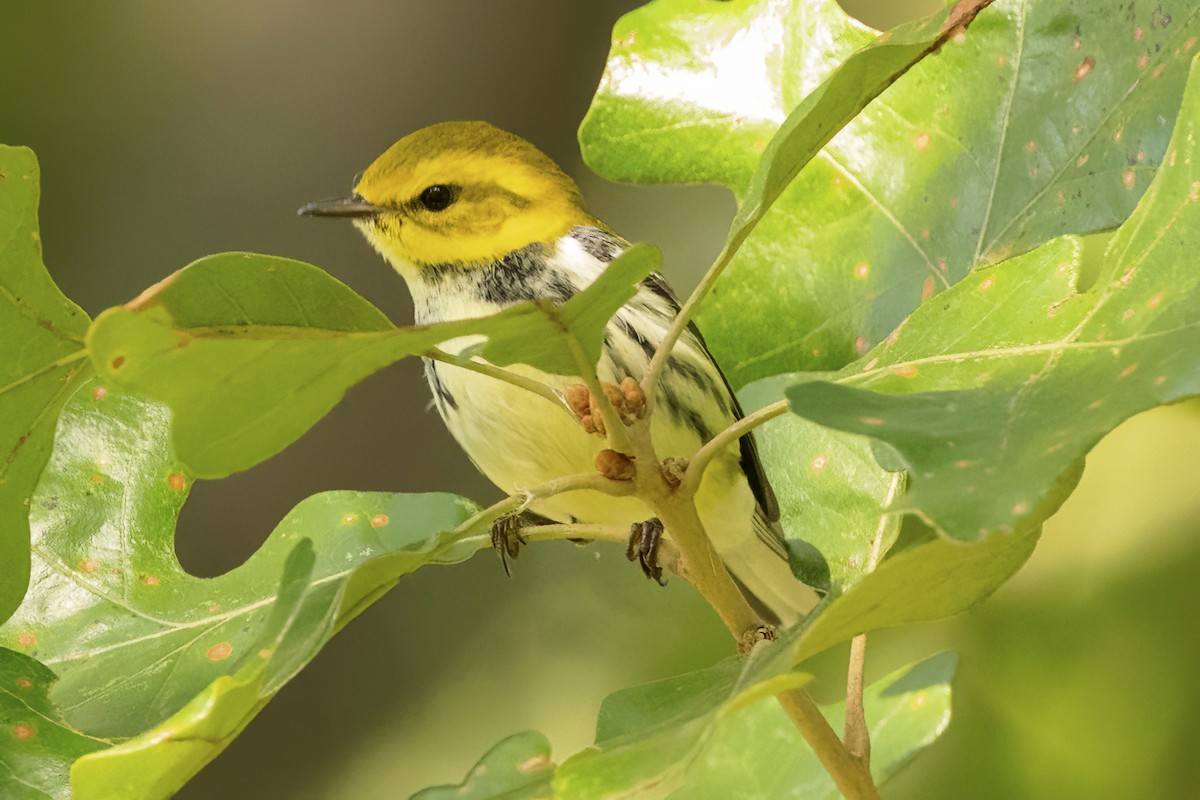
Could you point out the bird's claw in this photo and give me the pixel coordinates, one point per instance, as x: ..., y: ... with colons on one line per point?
x: 507, y: 539
x: 644, y: 539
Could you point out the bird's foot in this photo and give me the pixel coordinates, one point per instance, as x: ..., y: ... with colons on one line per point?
x: 507, y: 539
x: 644, y: 540
x: 627, y: 399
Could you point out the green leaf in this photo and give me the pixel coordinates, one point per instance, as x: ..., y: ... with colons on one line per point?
x: 930, y: 581
x: 835, y: 493
x: 180, y: 664
x: 518, y: 768
x: 249, y: 351
x: 43, y: 362
x: 36, y: 745
x: 1041, y: 119
x: 721, y: 733
x: 990, y: 395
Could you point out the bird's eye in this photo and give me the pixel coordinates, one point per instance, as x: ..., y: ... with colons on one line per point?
x: 438, y: 197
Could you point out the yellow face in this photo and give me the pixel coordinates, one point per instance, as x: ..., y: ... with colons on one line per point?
x: 464, y: 192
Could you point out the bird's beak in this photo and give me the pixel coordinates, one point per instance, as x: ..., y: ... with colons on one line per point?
x: 354, y: 206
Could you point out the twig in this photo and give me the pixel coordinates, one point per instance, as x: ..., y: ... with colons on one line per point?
x: 499, y: 373
x: 700, y: 461
x: 852, y: 777
x: 858, y: 736
x: 521, y: 500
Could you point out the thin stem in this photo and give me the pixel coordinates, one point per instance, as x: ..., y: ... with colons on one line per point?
x: 521, y: 500
x: 499, y: 373
x: 680, y: 323
x: 700, y: 461
x: 858, y: 736
x: 852, y: 777
x: 701, y: 566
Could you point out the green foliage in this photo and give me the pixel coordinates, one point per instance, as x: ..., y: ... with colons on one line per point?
x: 993, y: 392
x: 249, y: 350
x: 45, y: 364
x: 518, y: 768
x: 125, y: 675
x: 163, y: 668
x: 1039, y: 120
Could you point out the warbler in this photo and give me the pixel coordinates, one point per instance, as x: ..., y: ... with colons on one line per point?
x: 476, y: 219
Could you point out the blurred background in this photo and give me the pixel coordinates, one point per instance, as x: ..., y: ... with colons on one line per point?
x: 169, y: 131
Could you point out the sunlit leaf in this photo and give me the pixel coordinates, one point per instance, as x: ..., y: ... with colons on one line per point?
x: 41, y: 362
x: 1041, y: 119
x: 249, y: 351
x: 142, y: 649
x: 518, y: 768
x: 989, y: 395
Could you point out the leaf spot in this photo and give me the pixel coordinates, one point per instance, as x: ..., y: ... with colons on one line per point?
x: 1020, y: 508
x: 349, y: 518
x: 177, y: 481
x: 954, y: 202
x: 860, y: 345
x: 99, y: 392
x: 1129, y: 178
x: 988, y: 283
x: 1076, y: 44
x: 1127, y: 276
x: 214, y: 608
x: 1118, y: 134
x: 264, y: 653
x: 1189, y: 44
x: 925, y: 233
x: 379, y: 520
x: 97, y: 478
x: 819, y: 462
x: 1154, y: 301
x: 24, y: 683
x: 1000, y: 61
x: 1143, y: 60
x: 150, y: 580
x: 1158, y: 70
x: 1128, y: 313
x: 220, y: 651
x: 1137, y: 34
x: 26, y: 639
x: 942, y: 265
x: 532, y: 764
x: 1083, y: 159
x: 919, y: 699
x: 927, y: 288
x: 1030, y: 146
x: 963, y: 463
x: 906, y: 371
x: 861, y: 270
x: 1125, y: 373
x: 22, y: 731
x: 89, y: 565
x: 1160, y: 380
x: 117, y: 362
x: 921, y: 141
x: 870, y: 365
x: 873, y: 421
x: 1083, y: 69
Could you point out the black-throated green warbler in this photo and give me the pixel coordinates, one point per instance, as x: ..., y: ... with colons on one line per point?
x: 475, y: 219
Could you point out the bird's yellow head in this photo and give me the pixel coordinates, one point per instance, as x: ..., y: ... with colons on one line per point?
x: 460, y: 193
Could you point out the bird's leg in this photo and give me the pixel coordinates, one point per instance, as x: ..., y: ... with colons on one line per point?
x: 644, y: 540
x: 507, y: 539
x: 627, y: 399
